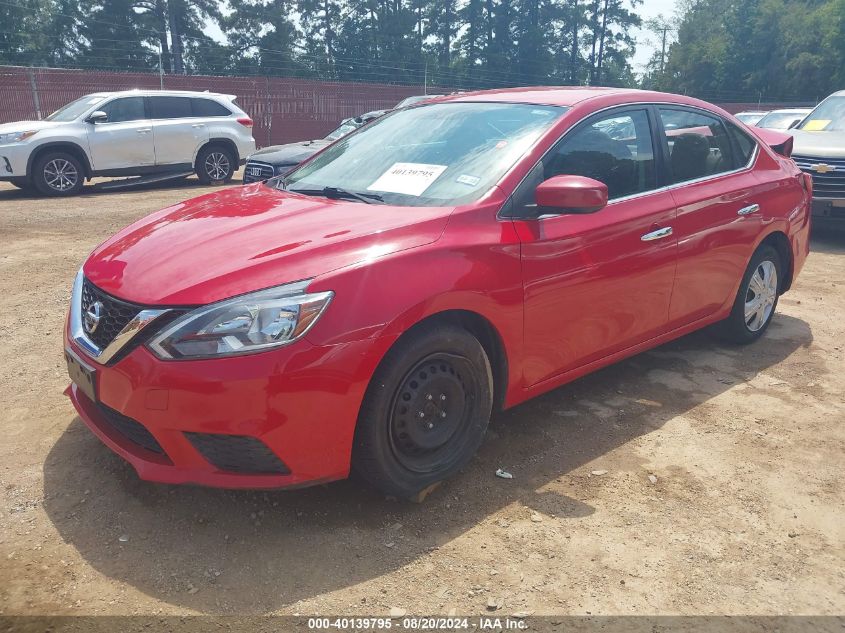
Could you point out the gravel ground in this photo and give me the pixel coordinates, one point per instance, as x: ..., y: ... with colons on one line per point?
x: 693, y: 479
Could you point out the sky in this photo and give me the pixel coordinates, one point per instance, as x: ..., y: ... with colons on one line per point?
x: 650, y: 9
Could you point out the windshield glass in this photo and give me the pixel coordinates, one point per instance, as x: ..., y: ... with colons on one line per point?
x: 779, y: 120
x: 828, y: 116
x: 342, y: 131
x: 437, y: 155
x: 74, y: 109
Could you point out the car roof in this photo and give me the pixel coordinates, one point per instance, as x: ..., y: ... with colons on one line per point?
x: 791, y: 111
x: 753, y: 112
x: 162, y: 93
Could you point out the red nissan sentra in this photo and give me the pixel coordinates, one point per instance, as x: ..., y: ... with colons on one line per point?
x: 369, y: 311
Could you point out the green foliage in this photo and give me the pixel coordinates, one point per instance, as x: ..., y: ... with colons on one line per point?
x: 745, y: 50
x: 449, y: 43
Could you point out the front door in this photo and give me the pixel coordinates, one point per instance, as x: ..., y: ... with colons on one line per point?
x: 597, y: 283
x: 124, y: 139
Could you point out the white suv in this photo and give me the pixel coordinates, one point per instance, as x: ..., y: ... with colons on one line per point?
x: 128, y: 133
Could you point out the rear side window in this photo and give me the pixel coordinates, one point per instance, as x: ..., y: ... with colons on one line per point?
x: 698, y: 144
x: 743, y: 144
x: 125, y: 109
x: 207, y: 107
x: 170, y: 107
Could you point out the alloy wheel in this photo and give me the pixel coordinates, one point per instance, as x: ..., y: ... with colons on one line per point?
x: 761, y: 295
x: 217, y: 166
x: 60, y: 174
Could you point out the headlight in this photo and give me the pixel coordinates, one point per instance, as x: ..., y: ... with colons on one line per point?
x: 243, y: 325
x: 16, y: 137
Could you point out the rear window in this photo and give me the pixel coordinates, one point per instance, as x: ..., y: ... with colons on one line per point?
x: 170, y: 107
x: 698, y: 144
x: 207, y: 107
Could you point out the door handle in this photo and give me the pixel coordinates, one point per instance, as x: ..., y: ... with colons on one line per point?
x: 751, y: 208
x: 144, y: 130
x: 657, y: 235
x: 198, y: 125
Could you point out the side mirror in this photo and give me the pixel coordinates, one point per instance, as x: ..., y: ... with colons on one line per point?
x: 571, y: 194
x: 97, y: 116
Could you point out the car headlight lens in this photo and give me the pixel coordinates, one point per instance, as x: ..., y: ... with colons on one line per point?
x: 16, y: 137
x: 243, y: 325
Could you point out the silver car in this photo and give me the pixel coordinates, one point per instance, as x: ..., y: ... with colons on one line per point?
x: 819, y: 150
x: 129, y: 133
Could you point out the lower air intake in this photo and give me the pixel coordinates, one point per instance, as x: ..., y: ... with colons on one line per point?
x: 131, y: 429
x: 238, y: 454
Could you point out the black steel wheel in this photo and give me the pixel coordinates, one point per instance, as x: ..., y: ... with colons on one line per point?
x: 426, y: 411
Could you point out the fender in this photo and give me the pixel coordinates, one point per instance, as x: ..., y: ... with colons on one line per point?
x: 67, y: 146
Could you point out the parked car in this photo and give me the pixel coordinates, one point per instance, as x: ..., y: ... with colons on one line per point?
x: 415, y: 99
x: 783, y: 119
x: 128, y: 133
x: 369, y: 311
x: 751, y: 117
x: 277, y: 160
x: 819, y: 150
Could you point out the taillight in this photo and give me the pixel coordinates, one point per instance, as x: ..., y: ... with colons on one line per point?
x: 245, y: 121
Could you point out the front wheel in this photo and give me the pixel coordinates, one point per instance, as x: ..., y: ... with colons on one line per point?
x: 215, y: 164
x: 426, y: 411
x: 756, y: 299
x: 58, y: 174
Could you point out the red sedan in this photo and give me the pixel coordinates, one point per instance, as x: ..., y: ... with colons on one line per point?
x: 368, y: 311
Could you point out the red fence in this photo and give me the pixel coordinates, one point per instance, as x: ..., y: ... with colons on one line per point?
x: 284, y: 109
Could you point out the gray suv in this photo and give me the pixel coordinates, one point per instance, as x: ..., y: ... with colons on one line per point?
x: 819, y: 150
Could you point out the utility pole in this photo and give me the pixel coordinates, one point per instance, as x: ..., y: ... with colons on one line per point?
x: 160, y: 68
x: 425, y: 78
x: 663, y: 50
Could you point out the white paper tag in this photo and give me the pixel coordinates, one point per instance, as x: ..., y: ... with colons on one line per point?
x: 409, y: 178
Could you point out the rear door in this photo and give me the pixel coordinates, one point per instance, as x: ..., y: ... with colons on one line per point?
x: 597, y: 283
x: 178, y: 133
x: 125, y: 139
x: 721, y: 208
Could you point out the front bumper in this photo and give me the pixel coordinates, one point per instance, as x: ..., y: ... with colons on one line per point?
x: 300, y: 401
x: 13, y: 159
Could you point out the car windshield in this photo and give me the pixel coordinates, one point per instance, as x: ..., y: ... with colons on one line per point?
x: 750, y: 118
x: 74, y: 109
x: 436, y: 155
x: 779, y: 120
x: 829, y: 116
x: 343, y: 130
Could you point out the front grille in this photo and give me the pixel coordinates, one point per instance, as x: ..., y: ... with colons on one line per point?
x: 114, y: 314
x: 266, y: 171
x: 131, y: 429
x: 825, y: 185
x: 238, y: 453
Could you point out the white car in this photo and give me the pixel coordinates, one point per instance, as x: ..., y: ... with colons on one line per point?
x: 751, y: 117
x: 785, y: 119
x: 129, y: 133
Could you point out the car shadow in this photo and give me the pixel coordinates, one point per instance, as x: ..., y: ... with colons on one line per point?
x: 249, y: 552
x: 828, y: 239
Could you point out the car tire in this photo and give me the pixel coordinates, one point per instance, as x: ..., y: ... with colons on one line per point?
x: 22, y: 183
x: 438, y: 372
x: 756, y: 299
x: 215, y: 164
x: 58, y: 174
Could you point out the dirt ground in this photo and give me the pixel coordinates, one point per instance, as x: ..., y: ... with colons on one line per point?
x: 724, y: 490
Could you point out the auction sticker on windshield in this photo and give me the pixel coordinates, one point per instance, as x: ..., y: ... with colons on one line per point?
x: 409, y: 178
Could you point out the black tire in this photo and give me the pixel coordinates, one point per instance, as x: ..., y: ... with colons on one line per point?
x: 739, y: 329
x: 437, y: 371
x: 22, y: 183
x: 215, y: 164
x: 58, y: 174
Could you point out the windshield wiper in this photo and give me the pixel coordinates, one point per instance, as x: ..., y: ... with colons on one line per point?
x: 336, y: 193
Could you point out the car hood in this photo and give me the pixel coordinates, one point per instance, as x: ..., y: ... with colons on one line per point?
x: 818, y: 144
x: 290, y: 154
x: 22, y: 126
x: 248, y: 238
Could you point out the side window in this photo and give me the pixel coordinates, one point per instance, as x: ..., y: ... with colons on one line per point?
x: 698, y: 144
x: 125, y: 109
x: 170, y: 107
x: 743, y: 144
x: 207, y: 107
x: 615, y: 149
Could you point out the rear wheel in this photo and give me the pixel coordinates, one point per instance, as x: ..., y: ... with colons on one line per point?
x: 215, y: 164
x: 425, y: 412
x: 58, y: 174
x: 756, y: 299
